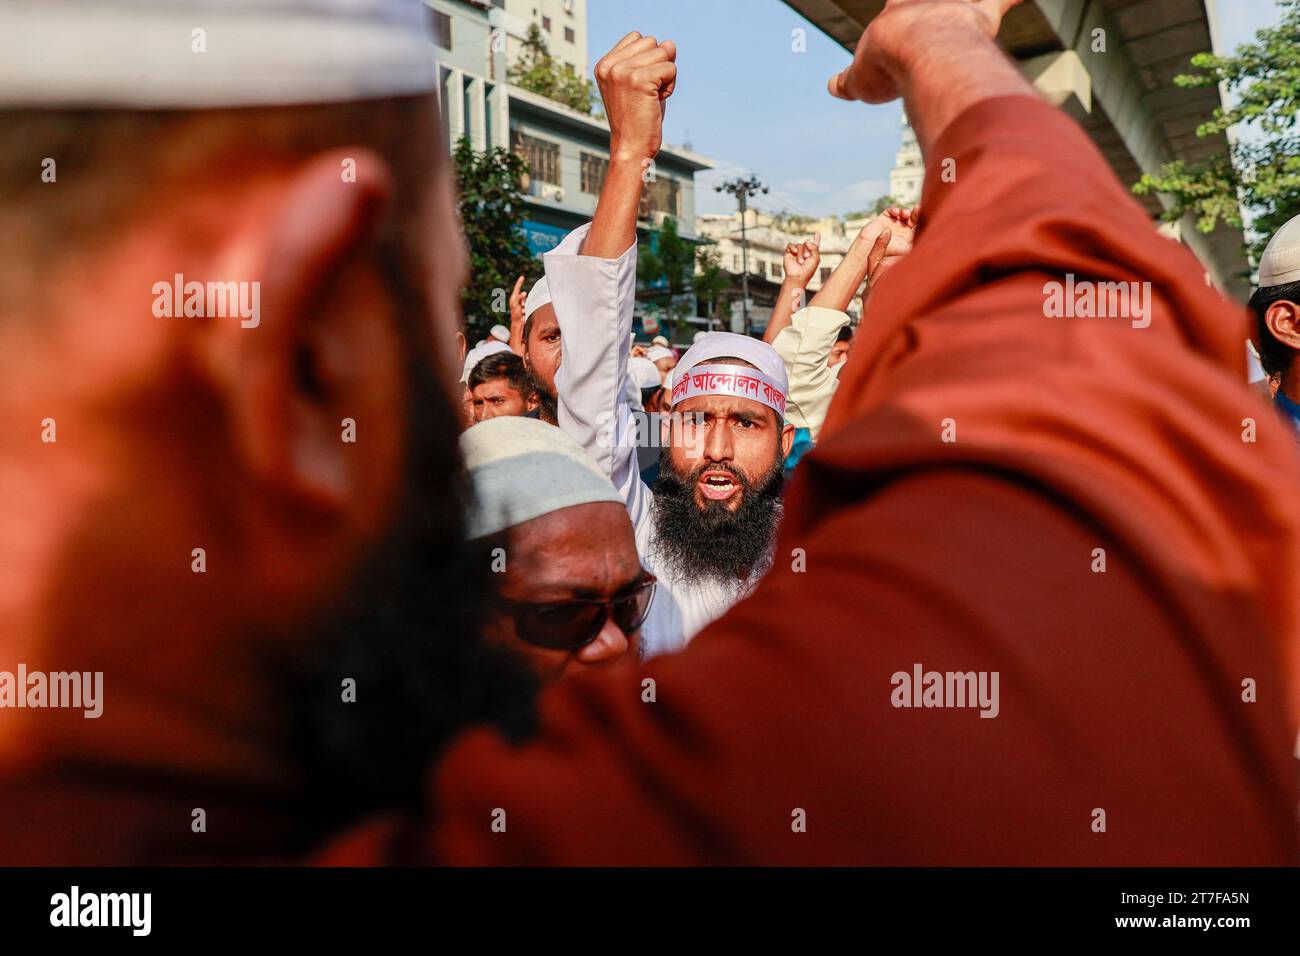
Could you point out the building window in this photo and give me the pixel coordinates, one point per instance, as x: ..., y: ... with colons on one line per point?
x: 594, y: 169
x: 442, y: 30
x: 735, y: 263
x: 546, y: 24
x: 663, y: 195
x: 569, y: 35
x: 777, y: 270
x: 542, y: 156
x: 825, y: 274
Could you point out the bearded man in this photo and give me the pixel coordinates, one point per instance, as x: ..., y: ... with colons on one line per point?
x: 253, y: 530
x: 706, y: 528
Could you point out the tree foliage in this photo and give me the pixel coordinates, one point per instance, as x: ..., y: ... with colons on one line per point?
x: 1262, y: 167
x: 710, y: 281
x: 539, y: 72
x: 879, y: 206
x: 665, y: 266
x: 491, y: 210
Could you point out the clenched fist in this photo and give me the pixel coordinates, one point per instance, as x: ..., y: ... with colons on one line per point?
x: 635, y: 79
x: 903, y: 26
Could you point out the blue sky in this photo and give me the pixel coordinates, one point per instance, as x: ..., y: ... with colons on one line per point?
x: 751, y: 104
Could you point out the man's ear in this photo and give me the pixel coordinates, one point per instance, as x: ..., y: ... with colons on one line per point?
x: 787, y: 440
x: 320, y: 373
x: 1283, y: 320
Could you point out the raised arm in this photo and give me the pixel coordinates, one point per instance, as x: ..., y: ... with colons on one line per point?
x: 800, y: 265
x: 592, y: 273
x: 1073, y: 435
x: 517, y: 299
x: 879, y: 245
x: 635, y: 79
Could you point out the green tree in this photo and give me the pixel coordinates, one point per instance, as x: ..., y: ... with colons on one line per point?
x: 1262, y: 168
x: 665, y: 266
x: 879, y: 206
x: 539, y: 72
x: 491, y: 214
x: 787, y: 221
x: 710, y: 281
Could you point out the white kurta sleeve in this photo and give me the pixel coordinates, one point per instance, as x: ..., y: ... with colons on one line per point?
x: 593, y: 300
x: 804, y: 345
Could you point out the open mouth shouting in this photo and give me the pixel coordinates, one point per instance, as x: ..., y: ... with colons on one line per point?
x: 718, y: 484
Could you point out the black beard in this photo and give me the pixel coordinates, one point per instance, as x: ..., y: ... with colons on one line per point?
x: 407, y: 630
x: 547, y: 402
x: 714, y: 543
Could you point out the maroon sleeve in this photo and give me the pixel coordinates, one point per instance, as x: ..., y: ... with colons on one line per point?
x: 1072, y: 504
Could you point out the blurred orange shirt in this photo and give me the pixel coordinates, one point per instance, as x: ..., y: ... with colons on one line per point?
x: 1122, y: 735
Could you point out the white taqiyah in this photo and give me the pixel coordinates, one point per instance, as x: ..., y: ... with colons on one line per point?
x: 190, y: 54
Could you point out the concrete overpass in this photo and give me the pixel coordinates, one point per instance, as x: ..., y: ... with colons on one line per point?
x: 1124, y: 97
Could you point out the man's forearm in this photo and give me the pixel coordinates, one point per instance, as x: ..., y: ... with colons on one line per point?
x: 955, y: 68
x: 843, y: 284
x: 784, y: 308
x: 613, y: 227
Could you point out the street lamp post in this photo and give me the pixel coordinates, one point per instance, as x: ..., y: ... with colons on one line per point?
x: 742, y: 188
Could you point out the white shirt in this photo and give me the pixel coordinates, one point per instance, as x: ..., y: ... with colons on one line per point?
x: 593, y: 300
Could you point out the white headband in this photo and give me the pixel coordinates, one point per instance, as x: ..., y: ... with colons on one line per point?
x: 189, y: 54
x: 774, y: 385
x: 738, y: 380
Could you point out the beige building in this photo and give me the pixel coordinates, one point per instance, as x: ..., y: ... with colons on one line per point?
x: 768, y: 236
x: 1110, y: 64
x: 908, y: 175
x: 563, y: 23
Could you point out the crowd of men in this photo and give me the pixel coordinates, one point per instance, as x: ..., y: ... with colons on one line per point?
x: 363, y: 594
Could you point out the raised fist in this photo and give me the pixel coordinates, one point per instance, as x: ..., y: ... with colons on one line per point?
x: 635, y: 80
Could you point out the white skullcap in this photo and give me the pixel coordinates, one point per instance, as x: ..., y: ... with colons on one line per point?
x: 657, y: 352
x: 538, y: 296
x: 644, y: 373
x: 478, y: 353
x: 522, y: 468
x: 717, y: 345
x: 660, y: 340
x: 1280, y: 262
x: 500, y: 333
x: 150, y: 54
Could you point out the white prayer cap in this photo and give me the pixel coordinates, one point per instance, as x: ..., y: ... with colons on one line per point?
x: 659, y: 340
x: 771, y: 391
x: 500, y: 333
x: 190, y: 54
x: 657, y: 352
x: 644, y: 373
x: 538, y: 296
x: 1280, y: 262
x: 522, y: 468
x: 478, y: 353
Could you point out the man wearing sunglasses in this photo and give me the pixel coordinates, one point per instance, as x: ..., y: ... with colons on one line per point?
x: 571, y: 591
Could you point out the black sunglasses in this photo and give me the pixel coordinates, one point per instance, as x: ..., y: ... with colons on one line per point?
x: 572, y: 625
